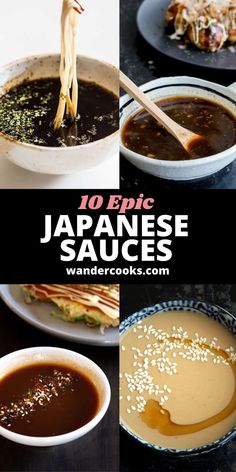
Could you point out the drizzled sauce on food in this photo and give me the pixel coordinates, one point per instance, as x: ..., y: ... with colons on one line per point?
x: 143, y: 135
x: 103, y: 297
x: 27, y: 114
x: 155, y: 416
x: 46, y: 400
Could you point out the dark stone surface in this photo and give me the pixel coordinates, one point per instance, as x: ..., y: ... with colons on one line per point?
x: 142, y: 63
x: 136, y: 457
x: 98, y: 451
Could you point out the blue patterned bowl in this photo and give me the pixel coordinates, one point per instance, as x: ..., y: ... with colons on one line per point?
x: 212, y: 311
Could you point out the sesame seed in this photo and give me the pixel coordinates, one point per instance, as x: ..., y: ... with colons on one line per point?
x: 153, y: 357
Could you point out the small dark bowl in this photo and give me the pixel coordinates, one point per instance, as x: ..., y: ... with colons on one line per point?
x: 212, y: 311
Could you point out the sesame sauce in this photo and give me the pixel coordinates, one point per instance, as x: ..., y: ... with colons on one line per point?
x: 143, y: 135
x: 178, y: 379
x: 155, y: 416
x: 27, y: 114
x: 46, y: 400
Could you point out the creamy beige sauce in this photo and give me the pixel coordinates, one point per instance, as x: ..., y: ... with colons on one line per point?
x: 103, y: 297
x: 178, y: 379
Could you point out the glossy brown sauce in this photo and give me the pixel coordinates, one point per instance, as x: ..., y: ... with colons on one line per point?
x: 27, y: 114
x: 155, y: 416
x: 46, y: 400
x: 143, y: 135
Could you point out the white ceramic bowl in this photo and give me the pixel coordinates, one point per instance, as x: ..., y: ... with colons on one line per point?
x: 51, y: 160
x: 35, y: 355
x: 172, y: 87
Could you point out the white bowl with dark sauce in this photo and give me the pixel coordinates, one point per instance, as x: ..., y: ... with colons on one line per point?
x: 50, y: 396
x: 168, y: 88
x: 82, y: 148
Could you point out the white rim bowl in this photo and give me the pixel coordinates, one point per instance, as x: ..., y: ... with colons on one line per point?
x: 61, y: 160
x: 35, y: 355
x: 173, y: 87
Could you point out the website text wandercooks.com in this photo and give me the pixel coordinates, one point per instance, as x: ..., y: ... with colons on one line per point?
x: 95, y: 270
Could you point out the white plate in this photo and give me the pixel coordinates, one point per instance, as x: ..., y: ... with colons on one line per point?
x: 38, y: 314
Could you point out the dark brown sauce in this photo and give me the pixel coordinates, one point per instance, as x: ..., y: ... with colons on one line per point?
x: 27, y: 113
x: 46, y: 400
x: 155, y: 416
x: 143, y: 135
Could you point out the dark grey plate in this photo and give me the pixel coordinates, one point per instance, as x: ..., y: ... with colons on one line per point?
x: 151, y: 25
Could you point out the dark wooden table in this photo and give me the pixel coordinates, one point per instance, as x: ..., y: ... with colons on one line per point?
x: 99, y: 449
x: 142, y: 63
x: 136, y: 457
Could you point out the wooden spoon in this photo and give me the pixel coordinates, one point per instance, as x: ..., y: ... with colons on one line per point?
x: 183, y: 135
